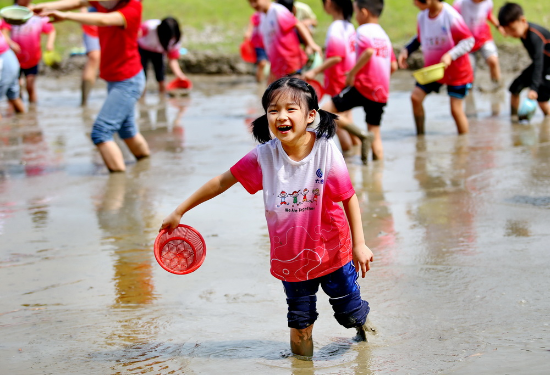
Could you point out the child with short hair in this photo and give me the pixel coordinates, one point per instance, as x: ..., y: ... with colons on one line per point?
x: 476, y: 13
x: 314, y: 242
x: 339, y: 56
x: 536, y: 40
x: 446, y: 39
x: 26, y: 40
x: 280, y: 39
x: 158, y: 38
x: 253, y: 34
x: 369, y: 80
x: 119, y: 22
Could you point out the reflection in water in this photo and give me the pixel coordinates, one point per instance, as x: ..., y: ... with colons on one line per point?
x: 124, y: 219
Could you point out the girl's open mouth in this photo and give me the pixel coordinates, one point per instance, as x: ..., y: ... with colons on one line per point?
x: 284, y: 128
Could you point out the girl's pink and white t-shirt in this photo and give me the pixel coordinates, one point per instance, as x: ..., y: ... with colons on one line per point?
x: 476, y: 15
x: 438, y: 36
x: 308, y: 230
x: 340, y: 42
x: 4, y: 46
x: 149, y: 40
x: 373, y: 80
x: 256, y: 37
x: 28, y: 38
x: 282, y: 46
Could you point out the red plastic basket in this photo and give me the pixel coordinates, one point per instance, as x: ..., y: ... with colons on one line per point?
x: 319, y: 90
x: 180, y: 252
x: 177, y: 83
x: 248, y: 53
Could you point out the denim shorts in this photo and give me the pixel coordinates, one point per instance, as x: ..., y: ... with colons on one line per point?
x: 91, y: 43
x: 345, y: 297
x: 261, y: 55
x: 9, y: 74
x: 459, y: 92
x: 118, y: 112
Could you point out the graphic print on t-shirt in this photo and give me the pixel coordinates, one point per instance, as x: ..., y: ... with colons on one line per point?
x: 295, y: 195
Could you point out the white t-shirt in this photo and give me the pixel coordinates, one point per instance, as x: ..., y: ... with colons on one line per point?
x: 308, y: 230
x: 149, y: 40
x: 340, y: 42
x: 475, y: 15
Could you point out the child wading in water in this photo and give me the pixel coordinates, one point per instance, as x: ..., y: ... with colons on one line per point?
x: 119, y: 22
x: 446, y: 39
x: 311, y: 243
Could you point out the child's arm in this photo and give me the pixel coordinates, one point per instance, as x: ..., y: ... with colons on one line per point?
x: 306, y: 36
x: 361, y: 62
x: 362, y: 255
x: 328, y: 63
x: 462, y: 48
x: 175, y: 67
x: 59, y: 5
x: 211, y: 189
x: 93, y: 19
x: 51, y: 40
x: 14, y: 46
x: 248, y: 32
x: 409, y: 48
x: 495, y: 23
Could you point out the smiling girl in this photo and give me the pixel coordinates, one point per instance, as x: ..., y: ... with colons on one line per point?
x: 313, y: 243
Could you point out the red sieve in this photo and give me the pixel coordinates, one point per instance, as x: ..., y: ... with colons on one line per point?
x: 178, y: 83
x: 319, y: 90
x: 248, y: 53
x: 180, y: 252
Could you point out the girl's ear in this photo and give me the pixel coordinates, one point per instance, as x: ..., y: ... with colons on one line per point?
x: 311, y: 116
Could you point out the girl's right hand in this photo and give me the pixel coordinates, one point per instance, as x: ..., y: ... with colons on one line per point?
x: 171, y: 222
x: 54, y: 15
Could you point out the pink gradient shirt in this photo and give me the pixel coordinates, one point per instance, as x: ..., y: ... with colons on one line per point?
x: 278, y: 29
x: 373, y: 80
x: 476, y: 15
x: 308, y: 230
x: 4, y: 46
x: 256, y: 37
x: 340, y: 42
x: 438, y: 36
x: 28, y: 38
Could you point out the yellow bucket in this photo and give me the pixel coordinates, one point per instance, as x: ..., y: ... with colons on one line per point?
x: 51, y: 57
x: 429, y: 74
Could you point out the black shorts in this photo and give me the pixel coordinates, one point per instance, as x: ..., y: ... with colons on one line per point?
x: 350, y: 98
x: 524, y: 81
x: 28, y: 72
x: 158, y: 63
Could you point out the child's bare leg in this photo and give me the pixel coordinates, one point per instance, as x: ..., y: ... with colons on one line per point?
x: 377, y: 149
x: 31, y: 79
x: 162, y: 88
x: 301, y: 341
x: 112, y: 156
x: 138, y: 146
x: 514, y: 104
x: 89, y: 75
x: 17, y: 105
x: 417, y: 99
x: 457, y: 110
x: 494, y: 68
x: 260, y: 70
x: 545, y: 107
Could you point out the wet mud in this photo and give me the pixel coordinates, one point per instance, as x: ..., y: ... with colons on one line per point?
x: 458, y: 226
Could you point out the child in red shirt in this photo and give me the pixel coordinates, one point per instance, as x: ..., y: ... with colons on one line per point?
x: 119, y: 22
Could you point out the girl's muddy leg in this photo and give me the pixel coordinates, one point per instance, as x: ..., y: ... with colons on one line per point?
x: 417, y: 99
x: 457, y: 110
x: 112, y: 156
x: 138, y: 146
x: 545, y: 107
x: 377, y: 148
x: 514, y: 104
x: 301, y: 341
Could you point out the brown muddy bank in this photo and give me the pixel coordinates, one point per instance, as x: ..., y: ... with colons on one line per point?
x: 512, y: 58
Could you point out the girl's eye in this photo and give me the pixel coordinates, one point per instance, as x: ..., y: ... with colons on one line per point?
x: 273, y: 111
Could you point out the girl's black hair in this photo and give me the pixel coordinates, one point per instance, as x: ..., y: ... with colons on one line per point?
x: 345, y: 6
x: 304, y: 94
x: 288, y: 4
x: 167, y: 30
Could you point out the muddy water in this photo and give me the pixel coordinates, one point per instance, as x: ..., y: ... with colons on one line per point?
x: 458, y: 225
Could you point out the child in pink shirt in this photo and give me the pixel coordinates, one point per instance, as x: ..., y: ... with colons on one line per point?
x: 303, y: 176
x: 9, y: 72
x: 369, y: 80
x: 476, y: 13
x: 26, y: 45
x: 253, y: 34
x: 280, y: 39
x: 446, y: 39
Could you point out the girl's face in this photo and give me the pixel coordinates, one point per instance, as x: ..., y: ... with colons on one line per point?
x: 260, y: 5
x: 419, y: 5
x: 287, y: 119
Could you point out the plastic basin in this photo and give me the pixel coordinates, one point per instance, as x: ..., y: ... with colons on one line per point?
x: 16, y: 15
x: 429, y: 74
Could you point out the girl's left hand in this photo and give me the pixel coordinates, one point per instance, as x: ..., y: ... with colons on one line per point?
x: 447, y: 60
x: 362, y: 256
x: 309, y: 75
x: 54, y: 15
